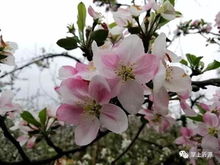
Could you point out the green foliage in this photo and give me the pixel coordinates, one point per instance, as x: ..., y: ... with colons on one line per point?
x: 196, y: 118
x: 28, y: 117
x: 213, y: 65
x: 81, y: 20
x: 99, y: 36
x: 193, y: 60
x: 184, y: 62
x: 43, y: 116
x: 68, y: 43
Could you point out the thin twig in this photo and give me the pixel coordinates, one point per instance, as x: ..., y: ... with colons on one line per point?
x: 130, y: 145
x: 41, y: 58
x: 57, y: 156
x: 8, y: 135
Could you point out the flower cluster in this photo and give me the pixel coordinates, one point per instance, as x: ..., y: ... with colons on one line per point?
x: 205, y: 135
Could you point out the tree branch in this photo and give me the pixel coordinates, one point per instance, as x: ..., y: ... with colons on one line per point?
x: 58, y: 155
x: 130, y: 145
x: 8, y: 135
x: 204, y: 83
x: 41, y: 58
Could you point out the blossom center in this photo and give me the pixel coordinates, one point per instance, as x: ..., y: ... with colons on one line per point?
x: 213, y: 131
x: 169, y: 71
x: 126, y: 73
x: 92, y: 108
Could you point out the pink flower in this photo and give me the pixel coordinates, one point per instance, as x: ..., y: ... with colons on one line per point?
x: 128, y: 65
x: 84, y: 71
x: 209, y: 130
x: 6, y: 105
x: 7, y: 49
x: 186, y: 137
x: 86, y: 106
x: 158, y: 117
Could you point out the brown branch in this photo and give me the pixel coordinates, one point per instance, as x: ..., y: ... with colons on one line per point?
x: 58, y: 155
x: 41, y: 58
x: 8, y: 135
x: 130, y: 145
x: 204, y: 83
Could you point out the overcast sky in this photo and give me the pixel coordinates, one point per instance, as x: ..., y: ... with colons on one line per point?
x: 34, y: 24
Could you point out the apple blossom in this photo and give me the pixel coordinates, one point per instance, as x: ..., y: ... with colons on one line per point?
x: 186, y: 137
x: 86, y: 106
x: 127, y: 64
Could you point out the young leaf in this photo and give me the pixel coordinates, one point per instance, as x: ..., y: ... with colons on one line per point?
x: 43, y: 116
x: 28, y: 117
x: 184, y: 62
x: 99, y: 36
x: 68, y: 43
x: 214, y: 65
x: 196, y: 118
x: 193, y: 60
x: 81, y: 20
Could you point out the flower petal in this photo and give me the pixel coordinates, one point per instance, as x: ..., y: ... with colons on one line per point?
x: 99, y: 89
x: 131, y: 96
x: 159, y: 46
x: 69, y: 113
x: 113, y: 118
x: 87, y: 130
x: 130, y: 49
x: 211, y: 119
x: 210, y: 143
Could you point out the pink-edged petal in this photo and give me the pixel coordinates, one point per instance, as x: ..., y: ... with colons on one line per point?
x: 87, y: 130
x: 177, y: 80
x: 31, y: 142
x: 204, y: 106
x: 66, y: 72
x: 113, y: 118
x: 187, y: 109
x: 110, y: 61
x: 9, y: 60
x: 161, y: 101
x: 186, y: 132
x: 201, y: 129
x: 211, y: 119
x: 159, y: 78
x: 6, y: 98
x: 146, y: 67
x: 210, y: 143
x: 69, y: 113
x: 22, y: 139
x: 131, y: 96
x: 99, y: 89
x: 159, y: 46
x: 75, y: 87
x: 115, y: 86
x: 130, y: 49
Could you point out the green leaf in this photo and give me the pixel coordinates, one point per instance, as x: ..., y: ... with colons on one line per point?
x: 201, y: 109
x: 196, y: 118
x: 113, y: 24
x: 184, y: 62
x: 43, y: 116
x: 28, y: 117
x: 81, y: 20
x: 68, y: 43
x: 99, y: 36
x: 172, y: 2
x: 214, y: 65
x: 193, y: 60
x: 162, y: 22
x: 134, y: 30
